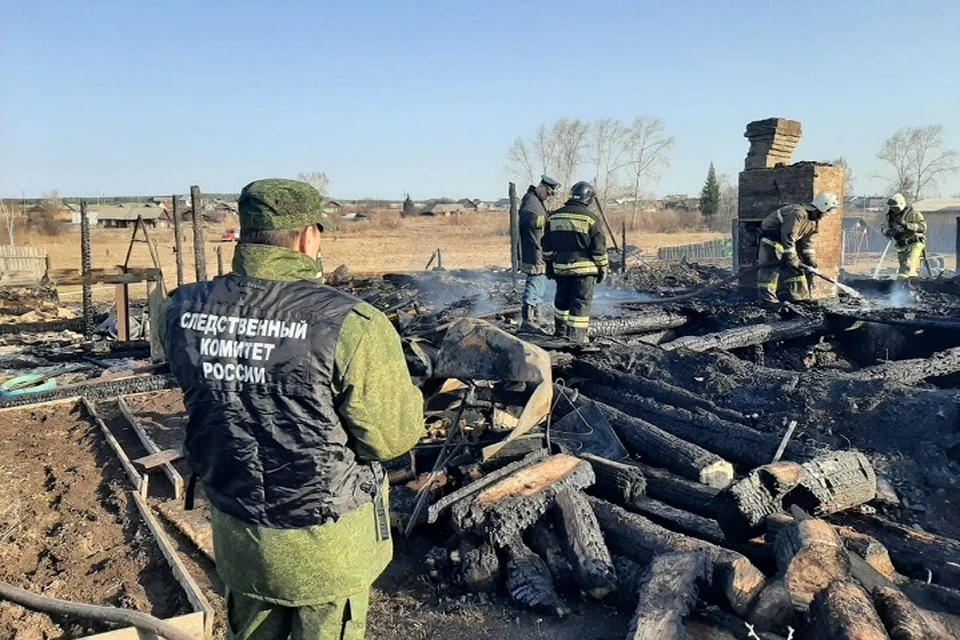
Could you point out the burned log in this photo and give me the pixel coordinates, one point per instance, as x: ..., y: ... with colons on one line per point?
x: 529, y: 582
x: 638, y: 323
x: 658, y: 390
x: 943, y: 363
x: 665, y: 449
x: 543, y: 540
x: 639, y: 539
x: 617, y: 482
x: 750, y: 335
x: 843, y: 611
x: 95, y: 390
x: 630, y: 575
x: 773, y: 609
x: 732, y: 440
x: 677, y: 519
x: 914, y: 553
x: 903, y: 619
x: 716, y: 618
x: 583, y: 542
x: 810, y: 556
x: 504, y: 510
x: 668, y: 595
x: 835, y: 482
x: 679, y: 492
x: 743, y: 508
x: 479, y: 566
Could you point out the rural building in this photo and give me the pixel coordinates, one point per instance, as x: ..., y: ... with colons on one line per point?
x: 941, y: 215
x: 331, y: 207
x: 124, y: 216
x: 438, y: 209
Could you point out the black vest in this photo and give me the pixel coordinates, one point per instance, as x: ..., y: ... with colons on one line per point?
x: 255, y: 360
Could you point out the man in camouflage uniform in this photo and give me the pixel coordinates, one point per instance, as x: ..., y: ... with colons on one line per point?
x: 786, y: 247
x: 907, y: 228
x: 533, y: 217
x: 294, y: 392
x: 575, y: 251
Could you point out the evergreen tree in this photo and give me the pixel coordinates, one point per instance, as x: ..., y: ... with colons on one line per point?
x: 710, y: 194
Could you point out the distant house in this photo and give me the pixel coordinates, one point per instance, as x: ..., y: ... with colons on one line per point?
x: 502, y: 204
x: 41, y: 211
x: 124, y: 216
x: 438, y: 209
x: 468, y: 204
x: 680, y: 202
x: 331, y: 207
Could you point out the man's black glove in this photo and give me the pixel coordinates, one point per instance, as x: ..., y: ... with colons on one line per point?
x: 888, y: 232
x: 549, y: 271
x: 601, y: 274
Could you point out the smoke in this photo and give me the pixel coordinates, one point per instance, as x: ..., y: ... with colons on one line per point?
x: 607, y: 300
x: 898, y: 298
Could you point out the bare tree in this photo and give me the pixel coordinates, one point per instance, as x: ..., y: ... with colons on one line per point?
x: 520, y: 161
x: 570, y: 137
x: 8, y: 216
x: 648, y: 151
x: 608, y: 151
x: 916, y: 159
x: 317, y: 179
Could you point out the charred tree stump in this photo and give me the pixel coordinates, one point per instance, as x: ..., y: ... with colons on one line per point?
x: 903, y: 619
x: 639, y: 323
x: 734, y: 577
x: 743, y: 508
x: 810, y: 556
x: 665, y: 449
x: 504, y: 510
x: 668, y: 595
x: 750, y: 335
x: 617, y: 482
x: 732, y: 440
x: 479, y: 566
x: 529, y: 582
x: 583, y: 541
x: 656, y: 389
x: 843, y: 611
x: 543, y: 540
x: 679, y: 492
x: 913, y: 552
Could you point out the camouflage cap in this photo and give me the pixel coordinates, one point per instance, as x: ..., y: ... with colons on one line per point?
x: 277, y: 203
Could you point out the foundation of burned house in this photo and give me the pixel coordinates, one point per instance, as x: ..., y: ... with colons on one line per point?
x: 769, y: 181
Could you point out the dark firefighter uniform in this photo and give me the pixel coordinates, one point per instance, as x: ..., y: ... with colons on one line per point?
x: 786, y: 239
x: 533, y: 218
x: 294, y: 392
x: 575, y: 252
x: 907, y: 228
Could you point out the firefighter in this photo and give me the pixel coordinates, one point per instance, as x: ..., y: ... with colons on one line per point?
x: 294, y: 393
x: 533, y: 217
x: 786, y: 247
x: 907, y: 228
x: 575, y: 252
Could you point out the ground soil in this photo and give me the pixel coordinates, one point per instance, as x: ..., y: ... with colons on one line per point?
x: 70, y: 528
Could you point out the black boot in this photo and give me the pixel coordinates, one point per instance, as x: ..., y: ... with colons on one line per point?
x: 578, y: 335
x: 526, y: 315
x: 559, y: 328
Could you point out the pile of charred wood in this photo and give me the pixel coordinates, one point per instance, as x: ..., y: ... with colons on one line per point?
x: 656, y: 498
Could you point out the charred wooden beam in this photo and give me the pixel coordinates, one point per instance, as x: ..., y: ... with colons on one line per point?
x: 667, y: 450
x: 743, y: 508
x: 835, y: 482
x: 583, y: 541
x: 544, y: 541
x: 679, y: 492
x: 639, y: 323
x: 903, y: 619
x: 637, y: 538
x: 617, y: 482
x: 732, y: 440
x: 810, y: 556
x: 668, y: 595
x: 657, y: 389
x: 529, y: 582
x: 479, y: 566
x: 773, y: 609
x: 914, y: 553
x: 504, y: 510
x: 677, y: 519
x: 750, y: 335
x: 943, y: 363
x: 843, y: 611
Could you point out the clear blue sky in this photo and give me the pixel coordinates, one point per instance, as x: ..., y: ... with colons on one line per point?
x: 123, y: 97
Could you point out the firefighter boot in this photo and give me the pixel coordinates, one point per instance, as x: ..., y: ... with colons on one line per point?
x: 528, y: 317
x: 577, y: 335
x: 559, y: 328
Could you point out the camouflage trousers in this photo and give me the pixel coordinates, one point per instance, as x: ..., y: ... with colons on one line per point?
x: 778, y: 276
x: 252, y: 619
x: 909, y: 256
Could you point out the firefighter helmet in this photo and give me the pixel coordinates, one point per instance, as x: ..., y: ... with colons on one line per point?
x: 826, y: 201
x: 583, y: 193
x: 897, y: 202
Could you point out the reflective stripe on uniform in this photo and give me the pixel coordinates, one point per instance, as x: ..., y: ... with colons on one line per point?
x: 547, y: 255
x: 579, y: 268
x: 572, y: 216
x: 560, y: 316
x: 566, y: 224
x: 541, y: 220
x: 578, y: 322
x: 766, y: 286
x: 773, y: 243
x: 601, y: 260
x: 796, y: 279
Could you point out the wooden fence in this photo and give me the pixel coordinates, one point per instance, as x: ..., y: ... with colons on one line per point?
x: 711, y: 250
x: 23, y: 262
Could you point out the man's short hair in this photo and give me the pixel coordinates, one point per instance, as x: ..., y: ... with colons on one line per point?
x: 272, y: 237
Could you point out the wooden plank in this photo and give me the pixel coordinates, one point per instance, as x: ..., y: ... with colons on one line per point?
x: 139, y: 481
x: 37, y: 405
x: 193, y: 524
x: 192, y: 623
x: 180, y: 572
x: 122, y: 298
x: 157, y: 459
x: 172, y: 474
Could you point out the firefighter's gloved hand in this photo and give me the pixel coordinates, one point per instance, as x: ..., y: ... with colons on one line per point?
x: 601, y: 274
x: 811, y: 269
x: 791, y: 260
x: 888, y: 232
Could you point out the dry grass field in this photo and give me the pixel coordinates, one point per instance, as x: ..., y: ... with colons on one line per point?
x: 385, y: 243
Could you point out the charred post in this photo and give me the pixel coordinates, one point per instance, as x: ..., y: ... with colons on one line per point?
x: 583, y: 541
x: 679, y: 492
x: 529, y: 582
x: 903, y: 619
x: 810, y: 556
x: 617, y: 482
x: 843, y: 611
x: 668, y: 595
x: 177, y: 241
x: 199, y: 235
x: 750, y: 335
x: 85, y: 267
